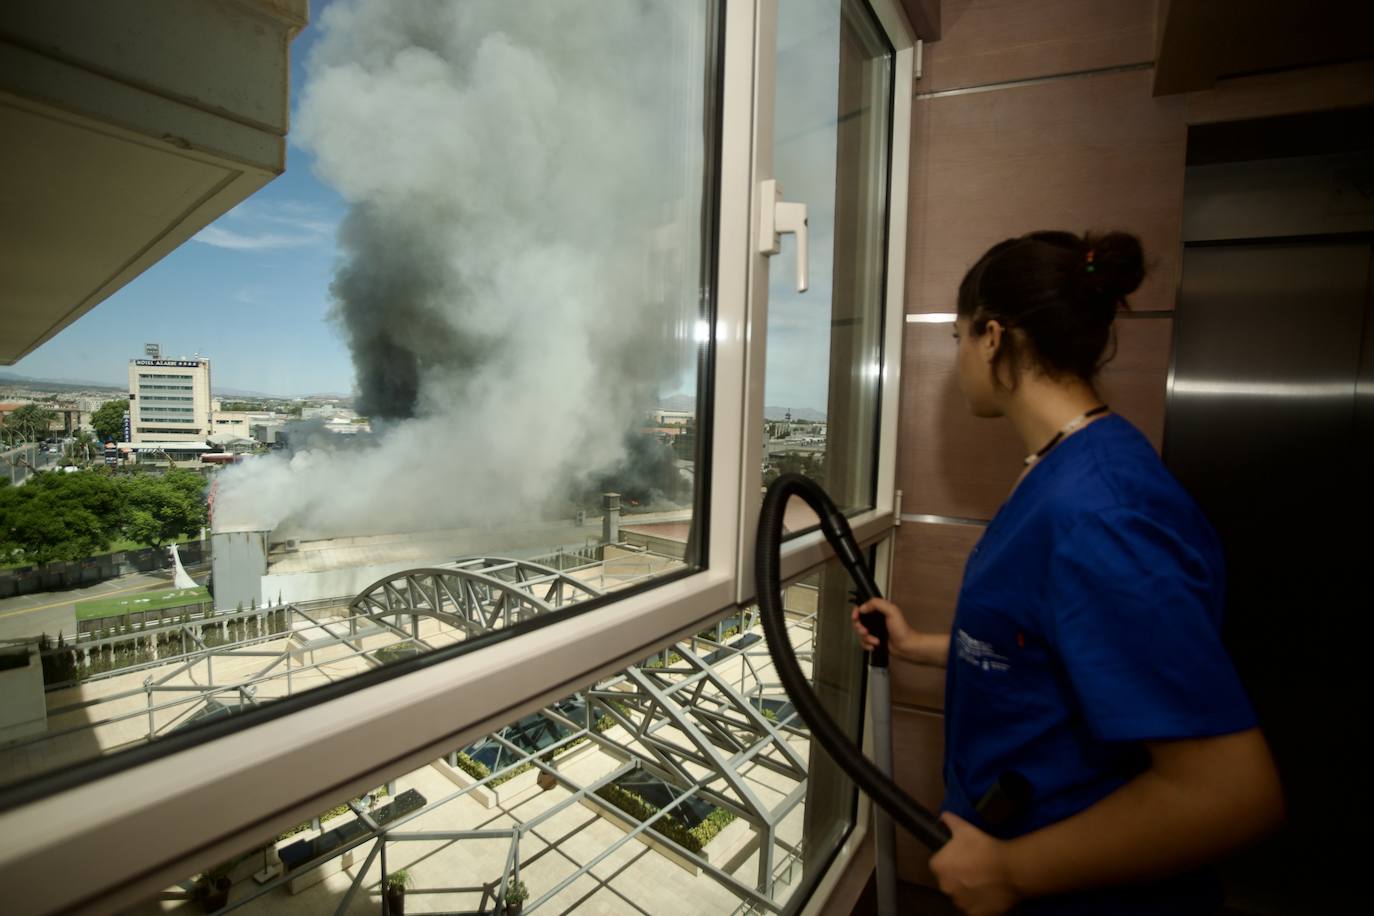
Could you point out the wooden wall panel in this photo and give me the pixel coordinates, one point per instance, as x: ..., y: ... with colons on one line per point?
x: 993, y: 41
x: 924, y: 16
x: 1088, y: 153
x: 1346, y: 85
x: 950, y: 462
x: 1135, y: 382
x: 918, y: 746
x: 925, y: 584
x: 955, y: 464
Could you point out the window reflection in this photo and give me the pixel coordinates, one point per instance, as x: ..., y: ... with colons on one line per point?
x: 831, y: 150
x: 686, y: 776
x: 523, y: 193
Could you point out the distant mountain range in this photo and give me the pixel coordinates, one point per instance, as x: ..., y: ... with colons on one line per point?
x: 242, y: 393
x: 798, y: 413
x: 678, y: 402
x: 805, y: 414
x: 76, y: 384
x: 65, y: 384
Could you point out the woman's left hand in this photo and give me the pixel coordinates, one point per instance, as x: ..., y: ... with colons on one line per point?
x: 973, y: 870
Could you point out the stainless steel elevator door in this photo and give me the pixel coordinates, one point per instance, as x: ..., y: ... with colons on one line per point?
x: 1266, y: 361
x: 1263, y: 429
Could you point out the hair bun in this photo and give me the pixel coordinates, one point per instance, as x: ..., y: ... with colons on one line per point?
x: 1118, y: 264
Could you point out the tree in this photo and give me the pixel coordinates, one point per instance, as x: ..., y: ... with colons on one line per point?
x: 27, y: 424
x: 82, y: 450
x: 108, y: 421
x: 160, y: 508
x: 57, y: 516
x: 808, y: 465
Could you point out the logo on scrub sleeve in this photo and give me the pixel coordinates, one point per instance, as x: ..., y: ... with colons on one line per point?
x: 979, y: 654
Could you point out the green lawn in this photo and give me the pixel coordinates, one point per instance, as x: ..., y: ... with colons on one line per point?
x: 100, y: 608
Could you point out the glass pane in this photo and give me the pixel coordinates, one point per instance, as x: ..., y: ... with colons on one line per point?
x: 832, y: 122
x: 512, y: 296
x: 687, y: 777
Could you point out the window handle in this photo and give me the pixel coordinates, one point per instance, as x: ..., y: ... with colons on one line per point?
x: 778, y: 218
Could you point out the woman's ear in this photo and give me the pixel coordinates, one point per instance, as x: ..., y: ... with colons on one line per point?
x: 991, y: 341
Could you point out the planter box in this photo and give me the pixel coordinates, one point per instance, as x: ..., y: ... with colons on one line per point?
x: 316, y: 875
x: 306, y: 879
x: 461, y: 779
x: 727, y: 849
x: 506, y: 792
x: 648, y: 837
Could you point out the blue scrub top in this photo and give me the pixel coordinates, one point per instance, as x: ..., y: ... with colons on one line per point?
x: 1088, y: 622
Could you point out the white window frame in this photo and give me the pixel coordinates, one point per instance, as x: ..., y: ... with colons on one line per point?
x: 114, y: 841
x: 810, y: 550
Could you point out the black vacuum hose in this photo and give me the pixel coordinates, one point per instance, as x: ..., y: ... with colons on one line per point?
x: 903, y: 809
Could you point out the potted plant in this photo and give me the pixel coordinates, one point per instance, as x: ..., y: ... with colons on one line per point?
x: 212, y: 887
x: 545, y: 779
x: 396, y: 884
x: 516, y: 895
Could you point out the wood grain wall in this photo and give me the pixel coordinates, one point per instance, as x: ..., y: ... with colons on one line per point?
x: 1035, y: 114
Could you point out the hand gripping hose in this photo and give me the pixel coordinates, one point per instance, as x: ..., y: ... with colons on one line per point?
x: 903, y: 809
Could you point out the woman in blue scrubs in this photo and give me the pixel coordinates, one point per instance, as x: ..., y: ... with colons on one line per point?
x: 1085, y: 654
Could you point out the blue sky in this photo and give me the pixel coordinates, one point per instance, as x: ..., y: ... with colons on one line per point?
x: 251, y: 292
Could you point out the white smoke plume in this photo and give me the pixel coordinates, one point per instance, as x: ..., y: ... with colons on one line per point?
x: 521, y: 257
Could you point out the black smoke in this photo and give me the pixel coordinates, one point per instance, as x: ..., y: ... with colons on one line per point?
x: 400, y: 301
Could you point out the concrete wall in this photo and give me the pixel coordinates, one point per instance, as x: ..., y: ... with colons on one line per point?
x: 1035, y: 114
x: 240, y: 562
x: 23, y: 709
x: 333, y: 583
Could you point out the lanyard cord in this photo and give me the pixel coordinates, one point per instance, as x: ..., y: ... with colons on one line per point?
x: 1068, y: 428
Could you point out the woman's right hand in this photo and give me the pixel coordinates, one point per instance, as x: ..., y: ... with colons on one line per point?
x: 901, y: 638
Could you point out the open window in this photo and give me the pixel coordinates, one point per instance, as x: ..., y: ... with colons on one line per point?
x: 569, y: 414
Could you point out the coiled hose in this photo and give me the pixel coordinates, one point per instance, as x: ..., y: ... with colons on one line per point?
x: 903, y: 809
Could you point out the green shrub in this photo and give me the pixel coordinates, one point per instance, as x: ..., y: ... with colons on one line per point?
x: 474, y: 768
x: 724, y: 634
x: 715, y: 822
x: 618, y: 707
x: 479, y: 770
x: 391, y: 653
x: 511, y: 774
x: 693, y: 839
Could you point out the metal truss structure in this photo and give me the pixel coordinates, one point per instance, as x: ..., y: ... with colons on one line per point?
x: 698, y: 732
x: 684, y: 723
x: 681, y: 719
x: 474, y: 595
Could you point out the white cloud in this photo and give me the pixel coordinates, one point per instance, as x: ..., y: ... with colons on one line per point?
x: 288, y: 224
x: 224, y: 238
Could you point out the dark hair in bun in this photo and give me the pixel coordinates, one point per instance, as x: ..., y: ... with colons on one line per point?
x: 1061, y: 291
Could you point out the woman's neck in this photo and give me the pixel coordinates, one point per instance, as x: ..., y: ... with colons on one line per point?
x: 1040, y: 407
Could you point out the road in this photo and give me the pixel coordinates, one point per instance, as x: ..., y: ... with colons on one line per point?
x: 53, y: 612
